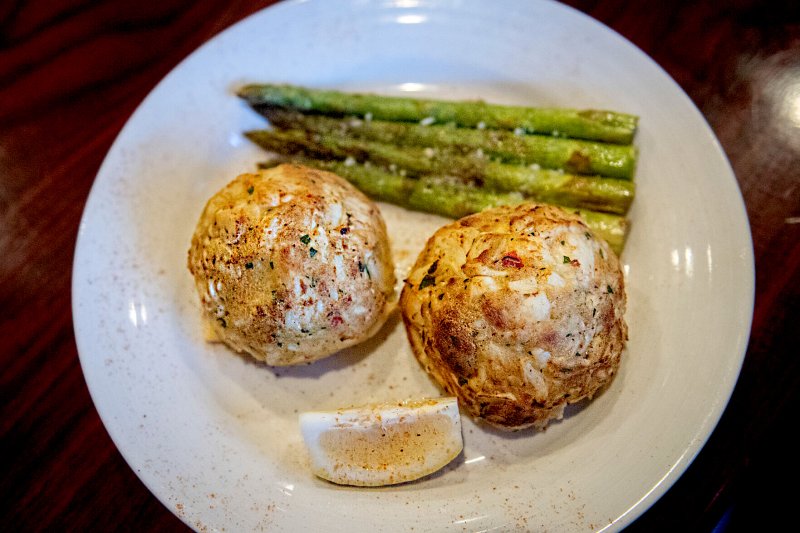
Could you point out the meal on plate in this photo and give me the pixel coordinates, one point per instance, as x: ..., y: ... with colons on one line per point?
x: 518, y: 308
x: 383, y: 444
x: 292, y: 264
x: 517, y: 311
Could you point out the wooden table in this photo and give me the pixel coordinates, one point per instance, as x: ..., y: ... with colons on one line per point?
x: 72, y: 72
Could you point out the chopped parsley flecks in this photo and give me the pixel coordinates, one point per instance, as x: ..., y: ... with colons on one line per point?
x: 305, y: 239
x: 364, y: 268
x: 312, y: 252
x: 567, y: 259
x: 250, y: 189
x: 249, y: 266
x: 609, y: 289
x: 427, y: 281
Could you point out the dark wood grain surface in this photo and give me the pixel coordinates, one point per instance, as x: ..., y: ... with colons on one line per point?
x: 72, y: 72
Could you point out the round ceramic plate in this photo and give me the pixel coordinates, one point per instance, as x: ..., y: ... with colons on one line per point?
x: 216, y: 437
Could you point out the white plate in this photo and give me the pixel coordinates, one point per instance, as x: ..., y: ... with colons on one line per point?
x: 216, y: 437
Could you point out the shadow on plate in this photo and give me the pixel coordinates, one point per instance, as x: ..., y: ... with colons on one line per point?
x: 348, y: 357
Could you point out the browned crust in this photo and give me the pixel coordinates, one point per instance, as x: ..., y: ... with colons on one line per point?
x: 480, y: 345
x: 264, y: 257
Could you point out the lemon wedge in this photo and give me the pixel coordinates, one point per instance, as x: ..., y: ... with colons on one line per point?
x: 383, y: 444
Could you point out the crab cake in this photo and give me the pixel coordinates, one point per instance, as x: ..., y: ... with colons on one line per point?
x: 292, y: 264
x: 517, y: 311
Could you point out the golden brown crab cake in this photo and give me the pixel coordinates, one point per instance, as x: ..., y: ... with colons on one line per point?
x: 292, y: 264
x: 517, y: 311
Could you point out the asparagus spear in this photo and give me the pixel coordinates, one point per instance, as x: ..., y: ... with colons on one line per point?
x: 589, y: 124
x: 447, y: 196
x: 579, y: 157
x: 374, y: 182
x: 601, y: 194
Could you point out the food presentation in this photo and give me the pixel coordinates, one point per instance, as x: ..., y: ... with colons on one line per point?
x: 217, y: 434
x: 515, y: 310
